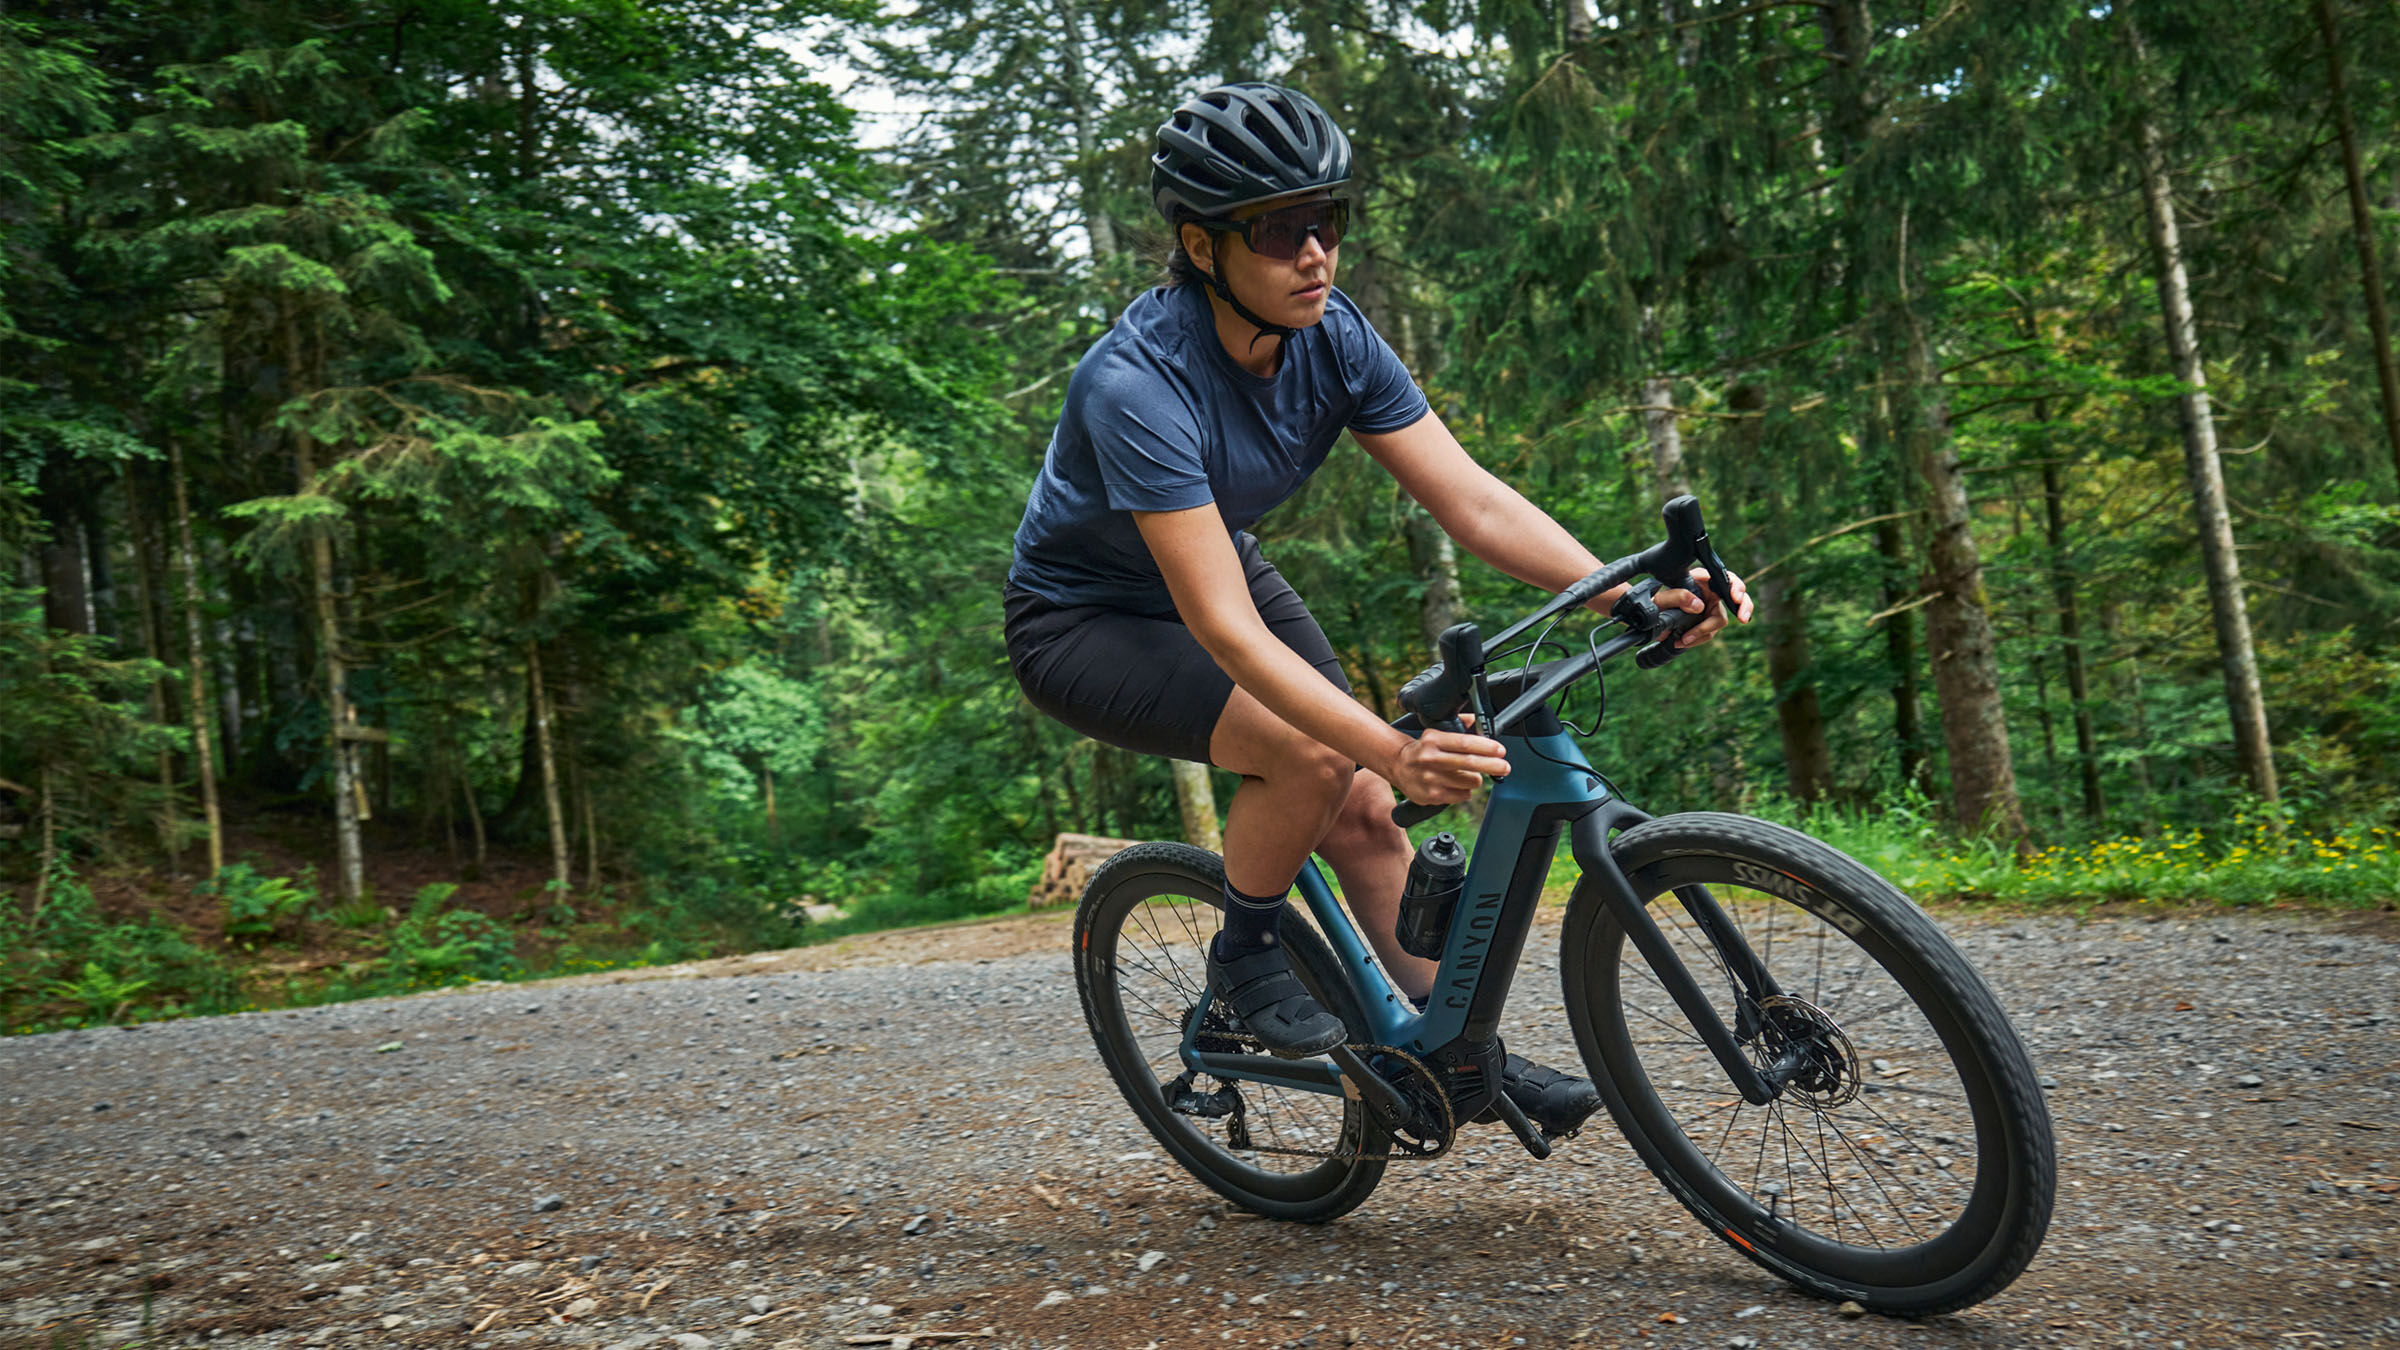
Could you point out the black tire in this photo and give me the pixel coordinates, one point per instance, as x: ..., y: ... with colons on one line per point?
x: 1926, y: 1191
x: 1141, y: 935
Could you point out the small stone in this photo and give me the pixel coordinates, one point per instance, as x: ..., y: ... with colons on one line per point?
x: 1053, y: 1299
x: 535, y: 1008
x: 103, y: 1106
x: 549, y: 1203
x: 760, y: 1303
x: 588, y: 1264
x: 1149, y: 1262
x: 391, y: 1320
x: 2113, y: 1128
x: 522, y: 1269
x: 583, y: 1307
x: 1752, y: 1311
x: 1741, y: 1343
x: 880, y: 1310
x: 688, y: 1340
x: 1851, y: 1309
x: 354, y: 1291
x: 915, y: 1224
x: 2249, y: 1080
x: 387, y: 1047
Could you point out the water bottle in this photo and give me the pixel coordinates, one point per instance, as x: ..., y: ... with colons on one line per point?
x: 1435, y: 877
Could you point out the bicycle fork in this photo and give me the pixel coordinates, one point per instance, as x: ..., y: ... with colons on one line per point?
x: 1754, y: 985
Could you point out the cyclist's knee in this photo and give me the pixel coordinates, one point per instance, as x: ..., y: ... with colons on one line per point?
x: 1365, y: 818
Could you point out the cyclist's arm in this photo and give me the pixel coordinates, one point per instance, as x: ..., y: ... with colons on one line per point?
x: 1494, y: 522
x: 1204, y: 577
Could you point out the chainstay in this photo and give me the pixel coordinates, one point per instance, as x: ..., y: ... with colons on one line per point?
x: 1398, y: 1149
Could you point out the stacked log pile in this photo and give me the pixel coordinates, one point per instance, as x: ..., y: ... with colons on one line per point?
x: 1069, y: 867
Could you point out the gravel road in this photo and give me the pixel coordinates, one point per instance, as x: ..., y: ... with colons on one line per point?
x: 909, y: 1135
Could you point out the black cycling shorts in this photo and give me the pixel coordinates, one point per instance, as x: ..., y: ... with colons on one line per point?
x: 1146, y: 684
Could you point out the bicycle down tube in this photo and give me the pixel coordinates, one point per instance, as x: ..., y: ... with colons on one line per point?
x: 1549, y: 785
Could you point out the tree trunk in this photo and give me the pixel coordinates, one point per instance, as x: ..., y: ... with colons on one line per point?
x: 466, y: 790
x: 2070, y: 636
x: 339, y: 719
x: 1900, y: 622
x: 1434, y: 558
x: 1807, y: 760
x: 1665, y: 438
x: 66, y: 602
x: 2362, y: 229
x: 195, y: 658
x: 146, y: 584
x: 1958, y: 627
x: 766, y: 789
x: 1096, y: 224
x: 2206, y: 474
x: 1199, y: 802
x: 49, y: 862
x: 538, y: 709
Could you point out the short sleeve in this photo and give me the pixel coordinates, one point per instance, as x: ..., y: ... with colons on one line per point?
x: 1388, y: 397
x: 1146, y: 442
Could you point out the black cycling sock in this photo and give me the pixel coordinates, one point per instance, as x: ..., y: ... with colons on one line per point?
x: 1250, y: 921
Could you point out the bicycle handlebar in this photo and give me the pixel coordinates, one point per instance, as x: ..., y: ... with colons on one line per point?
x: 1435, y: 695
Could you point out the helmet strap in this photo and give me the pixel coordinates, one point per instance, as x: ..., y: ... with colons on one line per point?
x: 1225, y: 292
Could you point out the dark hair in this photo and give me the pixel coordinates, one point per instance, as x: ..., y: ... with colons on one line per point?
x: 1180, y: 269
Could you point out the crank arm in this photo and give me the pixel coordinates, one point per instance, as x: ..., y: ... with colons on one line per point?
x: 1362, y: 1084
x: 1512, y: 1115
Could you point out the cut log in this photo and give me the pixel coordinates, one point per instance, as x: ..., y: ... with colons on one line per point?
x: 1068, y: 868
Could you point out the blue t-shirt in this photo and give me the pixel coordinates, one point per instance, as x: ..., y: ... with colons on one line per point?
x: 1158, y: 417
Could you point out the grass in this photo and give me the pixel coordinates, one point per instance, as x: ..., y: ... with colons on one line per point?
x: 82, y: 970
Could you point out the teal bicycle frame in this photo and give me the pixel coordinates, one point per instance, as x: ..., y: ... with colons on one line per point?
x: 1549, y: 781
x: 1550, y: 785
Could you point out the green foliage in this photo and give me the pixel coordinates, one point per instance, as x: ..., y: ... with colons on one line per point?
x: 452, y: 947
x: 585, y: 331
x: 104, y: 996
x: 259, y: 908
x: 68, y: 965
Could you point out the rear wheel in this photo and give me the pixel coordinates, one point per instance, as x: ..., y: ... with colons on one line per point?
x: 1141, y: 938
x: 1908, y: 1161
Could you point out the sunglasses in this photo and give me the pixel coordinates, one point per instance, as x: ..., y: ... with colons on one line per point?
x: 1281, y: 234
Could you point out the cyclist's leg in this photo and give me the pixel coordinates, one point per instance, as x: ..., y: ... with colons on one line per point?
x: 1370, y: 857
x: 1292, y: 788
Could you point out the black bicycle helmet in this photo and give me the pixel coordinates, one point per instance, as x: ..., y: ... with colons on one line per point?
x: 1243, y: 143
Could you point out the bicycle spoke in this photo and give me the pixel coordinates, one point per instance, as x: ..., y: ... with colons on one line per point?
x: 1867, y: 1176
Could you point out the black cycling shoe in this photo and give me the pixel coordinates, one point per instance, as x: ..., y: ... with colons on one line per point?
x: 1558, y: 1102
x: 1260, y: 989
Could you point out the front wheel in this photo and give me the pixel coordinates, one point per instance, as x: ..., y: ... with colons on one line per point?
x: 1141, y: 940
x: 1907, y: 1160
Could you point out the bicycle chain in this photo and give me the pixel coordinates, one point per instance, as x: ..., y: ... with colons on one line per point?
x: 1237, y: 1129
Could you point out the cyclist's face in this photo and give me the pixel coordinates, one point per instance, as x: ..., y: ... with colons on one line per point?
x: 1289, y: 291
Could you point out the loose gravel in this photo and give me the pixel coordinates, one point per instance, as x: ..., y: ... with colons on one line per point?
x: 787, y: 1157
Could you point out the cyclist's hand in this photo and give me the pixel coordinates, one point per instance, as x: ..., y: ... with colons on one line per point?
x: 1441, y: 767
x: 1689, y: 601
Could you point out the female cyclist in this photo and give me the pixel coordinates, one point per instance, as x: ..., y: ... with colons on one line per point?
x: 1139, y: 611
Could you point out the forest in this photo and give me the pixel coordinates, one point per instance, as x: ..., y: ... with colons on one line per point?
x: 498, y: 488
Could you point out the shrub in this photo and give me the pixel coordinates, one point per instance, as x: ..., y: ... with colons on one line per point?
x: 453, y: 947
x: 259, y: 908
